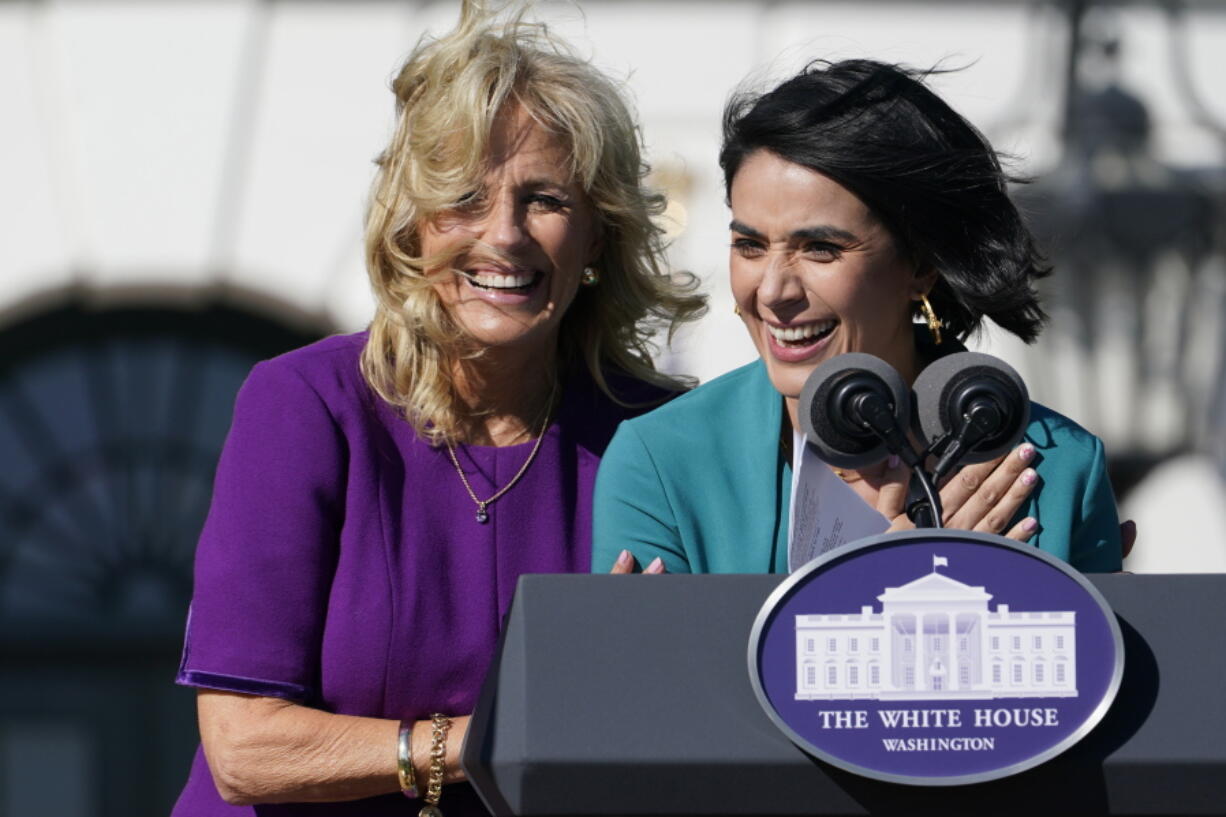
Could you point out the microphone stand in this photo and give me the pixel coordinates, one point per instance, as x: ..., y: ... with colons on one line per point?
x: 923, y: 501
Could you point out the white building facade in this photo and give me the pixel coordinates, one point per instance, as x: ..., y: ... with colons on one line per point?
x: 935, y: 638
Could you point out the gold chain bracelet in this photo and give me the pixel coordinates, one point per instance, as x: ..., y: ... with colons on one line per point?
x: 438, y: 765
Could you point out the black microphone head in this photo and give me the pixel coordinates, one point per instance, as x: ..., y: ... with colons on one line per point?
x: 824, y: 414
x: 946, y: 390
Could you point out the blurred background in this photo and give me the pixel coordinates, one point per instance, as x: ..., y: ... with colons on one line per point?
x: 181, y: 195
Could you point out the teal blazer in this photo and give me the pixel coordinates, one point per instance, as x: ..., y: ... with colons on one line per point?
x: 701, y: 482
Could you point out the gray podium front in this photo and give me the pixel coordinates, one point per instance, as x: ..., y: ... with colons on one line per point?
x: 617, y: 695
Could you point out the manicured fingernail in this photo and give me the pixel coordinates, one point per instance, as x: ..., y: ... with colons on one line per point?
x: 623, y: 559
x: 1030, y: 524
x: 893, y: 461
x: 1026, y: 452
x: 1029, y: 476
x: 656, y: 566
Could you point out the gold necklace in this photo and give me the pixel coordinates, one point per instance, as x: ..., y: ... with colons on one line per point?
x: 483, y: 515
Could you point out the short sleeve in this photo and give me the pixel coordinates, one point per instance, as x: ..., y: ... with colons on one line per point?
x: 266, y: 556
x: 631, y: 509
x: 1095, y: 546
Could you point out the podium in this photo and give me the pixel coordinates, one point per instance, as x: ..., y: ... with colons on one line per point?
x: 615, y: 695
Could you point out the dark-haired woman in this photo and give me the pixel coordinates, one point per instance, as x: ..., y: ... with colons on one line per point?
x: 861, y: 202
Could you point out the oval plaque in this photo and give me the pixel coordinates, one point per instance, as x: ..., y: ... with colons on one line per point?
x: 936, y: 657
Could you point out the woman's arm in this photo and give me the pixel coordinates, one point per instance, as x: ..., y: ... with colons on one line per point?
x: 264, y: 568
x: 631, y: 510
x: 269, y: 750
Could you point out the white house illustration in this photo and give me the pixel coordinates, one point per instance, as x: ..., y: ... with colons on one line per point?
x: 935, y: 638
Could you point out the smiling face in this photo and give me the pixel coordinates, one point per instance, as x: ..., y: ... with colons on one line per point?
x: 815, y: 274
x: 520, y: 242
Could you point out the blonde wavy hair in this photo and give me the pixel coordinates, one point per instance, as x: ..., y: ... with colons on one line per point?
x: 449, y: 93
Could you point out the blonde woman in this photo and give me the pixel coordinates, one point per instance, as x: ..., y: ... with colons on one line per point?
x: 379, y: 494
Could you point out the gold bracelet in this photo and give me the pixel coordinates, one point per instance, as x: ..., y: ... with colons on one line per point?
x: 404, y: 761
x: 438, y: 765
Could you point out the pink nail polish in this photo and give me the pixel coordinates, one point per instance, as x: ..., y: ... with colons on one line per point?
x: 1026, y: 452
x: 623, y: 558
x: 657, y: 564
x: 1030, y: 524
x: 1029, y: 476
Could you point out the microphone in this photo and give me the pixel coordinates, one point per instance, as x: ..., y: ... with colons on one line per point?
x: 971, y: 407
x: 854, y: 408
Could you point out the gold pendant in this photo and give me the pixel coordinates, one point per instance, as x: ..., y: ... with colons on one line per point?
x: 430, y: 811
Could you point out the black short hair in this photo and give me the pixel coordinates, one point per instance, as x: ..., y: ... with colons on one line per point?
x: 929, y: 175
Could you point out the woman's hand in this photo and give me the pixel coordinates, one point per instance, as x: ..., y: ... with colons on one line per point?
x: 268, y: 750
x: 626, y: 563
x: 981, y: 497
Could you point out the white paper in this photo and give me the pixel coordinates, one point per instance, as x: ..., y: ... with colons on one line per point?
x: 826, y: 512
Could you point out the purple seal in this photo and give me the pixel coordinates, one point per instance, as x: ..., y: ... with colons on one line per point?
x: 936, y: 657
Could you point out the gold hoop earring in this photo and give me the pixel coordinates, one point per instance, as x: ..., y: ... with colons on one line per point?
x: 590, y: 277
x: 930, y: 315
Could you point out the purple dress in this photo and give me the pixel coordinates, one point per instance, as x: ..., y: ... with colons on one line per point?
x: 342, y: 566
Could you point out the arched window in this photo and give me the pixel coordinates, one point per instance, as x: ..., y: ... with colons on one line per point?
x: 810, y: 675
x: 113, y: 419
x: 112, y: 416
